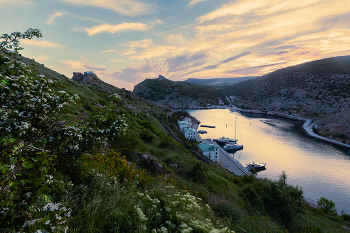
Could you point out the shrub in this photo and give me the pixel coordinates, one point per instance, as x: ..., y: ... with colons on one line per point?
x: 327, y: 206
x: 281, y: 201
x: 345, y: 217
x: 147, y: 135
x: 198, y: 172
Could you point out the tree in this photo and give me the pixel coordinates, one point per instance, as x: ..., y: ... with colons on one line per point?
x: 327, y: 206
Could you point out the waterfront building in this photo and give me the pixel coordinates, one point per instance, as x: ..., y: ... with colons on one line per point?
x: 211, y: 151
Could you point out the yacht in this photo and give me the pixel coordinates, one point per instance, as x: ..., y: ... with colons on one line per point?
x: 232, y: 145
x: 223, y: 140
x: 256, y: 167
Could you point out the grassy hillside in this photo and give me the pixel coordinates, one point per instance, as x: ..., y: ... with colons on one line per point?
x: 167, y: 90
x: 104, y: 163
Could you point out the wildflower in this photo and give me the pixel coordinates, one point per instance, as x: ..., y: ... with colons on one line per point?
x: 140, y: 213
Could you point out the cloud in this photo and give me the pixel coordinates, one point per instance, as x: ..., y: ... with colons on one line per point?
x: 95, y: 68
x: 144, y: 43
x: 225, y: 61
x: 83, y: 64
x: 236, y: 8
x: 212, y: 67
x: 175, y: 38
x: 73, y: 64
x: 128, y: 52
x: 117, y: 28
x: 193, y: 2
x: 109, y: 51
x: 185, y: 61
x: 256, y: 68
x: 57, y: 14
x: 41, y: 43
x: 156, y: 21
x: 17, y: 2
x: 116, y: 60
x: 137, y: 73
x: 124, y: 7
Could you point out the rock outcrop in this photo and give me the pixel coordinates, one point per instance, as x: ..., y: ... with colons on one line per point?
x: 92, y: 79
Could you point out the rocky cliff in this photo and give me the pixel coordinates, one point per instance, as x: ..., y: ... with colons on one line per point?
x: 92, y: 79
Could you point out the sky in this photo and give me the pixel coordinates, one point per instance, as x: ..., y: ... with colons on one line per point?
x: 126, y: 41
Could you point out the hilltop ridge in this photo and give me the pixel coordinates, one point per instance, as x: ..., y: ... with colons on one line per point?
x: 319, y: 90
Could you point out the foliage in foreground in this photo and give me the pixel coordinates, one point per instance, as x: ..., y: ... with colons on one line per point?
x: 58, y: 176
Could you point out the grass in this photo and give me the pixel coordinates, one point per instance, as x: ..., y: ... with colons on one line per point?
x: 113, y: 193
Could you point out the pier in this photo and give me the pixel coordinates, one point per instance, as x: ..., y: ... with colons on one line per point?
x: 227, y: 161
x: 208, y: 126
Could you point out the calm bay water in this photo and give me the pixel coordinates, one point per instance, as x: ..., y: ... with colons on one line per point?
x: 321, y: 169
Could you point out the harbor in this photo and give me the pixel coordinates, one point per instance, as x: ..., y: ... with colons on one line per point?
x: 320, y: 168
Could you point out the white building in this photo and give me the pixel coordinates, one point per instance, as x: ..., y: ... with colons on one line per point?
x: 190, y: 134
x: 183, y: 125
x: 211, y: 151
x: 188, y: 120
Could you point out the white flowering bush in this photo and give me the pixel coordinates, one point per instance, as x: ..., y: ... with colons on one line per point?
x: 33, y: 140
x: 173, y: 211
x: 108, y: 205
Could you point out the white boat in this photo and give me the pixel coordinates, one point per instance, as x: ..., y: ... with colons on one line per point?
x: 232, y: 144
x: 256, y: 167
x: 223, y: 140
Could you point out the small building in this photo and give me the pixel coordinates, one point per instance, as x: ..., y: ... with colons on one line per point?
x: 88, y: 72
x: 190, y: 134
x: 183, y: 125
x: 211, y: 151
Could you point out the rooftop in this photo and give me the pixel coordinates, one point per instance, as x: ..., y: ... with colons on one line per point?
x: 208, y: 147
x: 190, y: 130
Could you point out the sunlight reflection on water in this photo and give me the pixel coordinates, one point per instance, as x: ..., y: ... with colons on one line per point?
x: 321, y: 169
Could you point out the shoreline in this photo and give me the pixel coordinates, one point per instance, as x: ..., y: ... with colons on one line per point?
x: 307, y: 126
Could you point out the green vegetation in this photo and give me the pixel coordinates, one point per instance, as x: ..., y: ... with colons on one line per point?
x: 70, y: 161
x: 155, y: 90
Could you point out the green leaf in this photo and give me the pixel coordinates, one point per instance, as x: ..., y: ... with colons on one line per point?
x: 27, y: 165
x: 4, y: 168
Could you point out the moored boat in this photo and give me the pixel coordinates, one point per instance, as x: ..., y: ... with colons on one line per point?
x: 232, y: 146
x: 256, y: 167
x: 223, y: 140
x: 202, y: 131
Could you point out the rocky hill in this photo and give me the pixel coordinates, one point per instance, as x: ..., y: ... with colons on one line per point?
x: 318, y: 90
x: 92, y: 79
x: 178, y: 94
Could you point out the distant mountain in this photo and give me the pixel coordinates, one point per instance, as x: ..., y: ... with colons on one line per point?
x: 218, y: 81
x: 179, y: 94
x: 319, y: 90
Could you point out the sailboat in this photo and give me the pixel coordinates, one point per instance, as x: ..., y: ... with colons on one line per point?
x: 233, y: 144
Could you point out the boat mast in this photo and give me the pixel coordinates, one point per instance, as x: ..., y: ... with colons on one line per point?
x: 235, y: 126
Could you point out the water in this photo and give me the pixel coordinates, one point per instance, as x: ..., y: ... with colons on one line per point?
x: 321, y: 169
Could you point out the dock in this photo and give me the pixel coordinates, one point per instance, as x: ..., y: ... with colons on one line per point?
x: 227, y: 161
x: 208, y: 126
